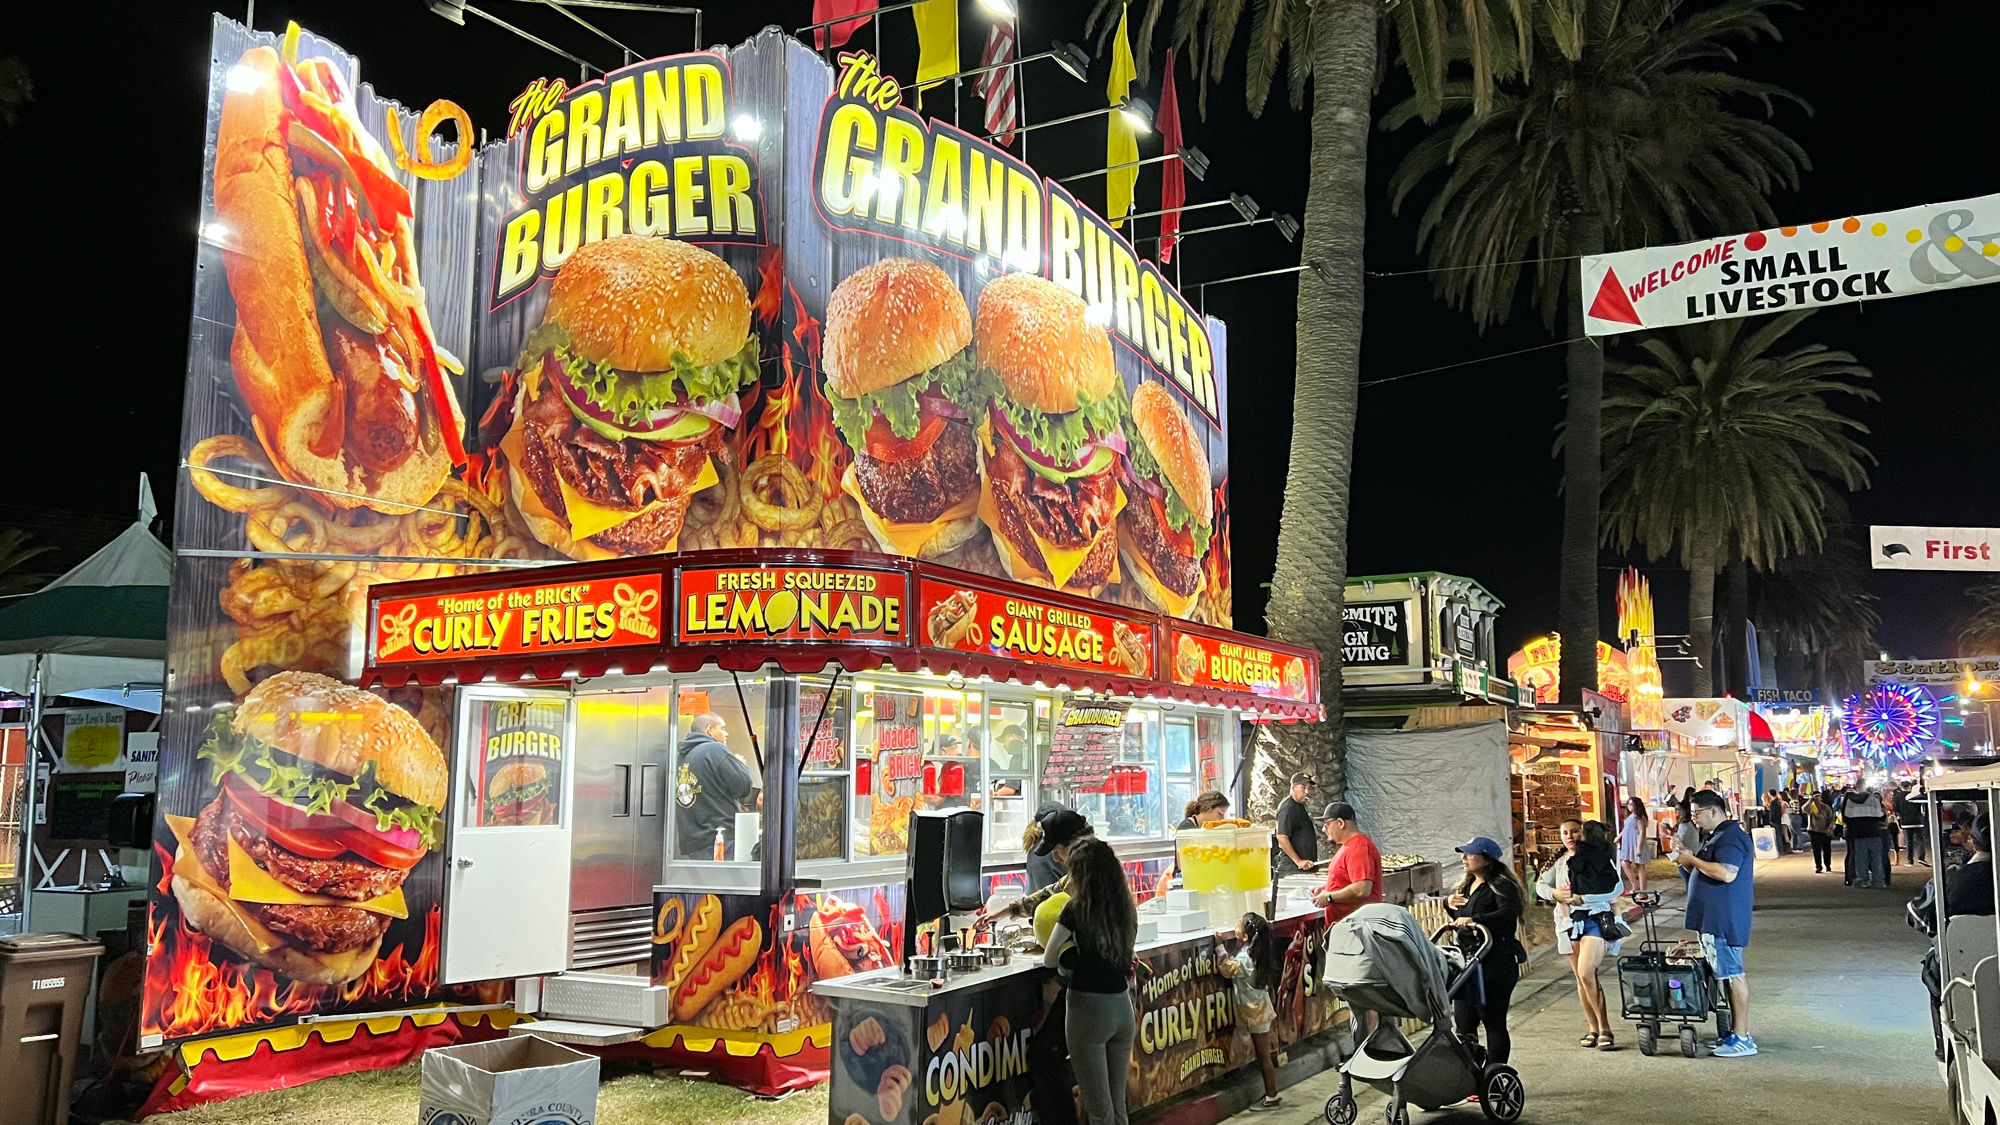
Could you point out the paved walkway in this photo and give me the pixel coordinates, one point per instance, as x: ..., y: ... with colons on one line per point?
x: 1839, y: 1015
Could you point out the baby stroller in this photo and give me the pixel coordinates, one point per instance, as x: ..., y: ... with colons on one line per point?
x: 1665, y: 984
x: 1378, y: 960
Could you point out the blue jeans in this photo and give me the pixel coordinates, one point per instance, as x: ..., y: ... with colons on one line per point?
x: 1870, y: 860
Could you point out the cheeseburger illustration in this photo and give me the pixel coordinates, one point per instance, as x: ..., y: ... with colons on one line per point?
x: 1170, y: 515
x: 626, y: 389
x: 518, y: 794
x: 1051, y: 437
x: 329, y: 796
x: 903, y: 383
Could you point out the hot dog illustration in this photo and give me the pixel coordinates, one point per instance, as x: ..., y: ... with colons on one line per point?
x: 720, y: 966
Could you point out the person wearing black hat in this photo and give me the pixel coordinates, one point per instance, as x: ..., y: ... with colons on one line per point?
x: 1490, y: 896
x: 1296, y: 843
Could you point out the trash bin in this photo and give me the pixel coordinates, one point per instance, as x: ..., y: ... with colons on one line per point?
x: 45, y: 980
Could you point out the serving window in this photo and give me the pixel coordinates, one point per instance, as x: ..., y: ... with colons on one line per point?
x: 716, y: 782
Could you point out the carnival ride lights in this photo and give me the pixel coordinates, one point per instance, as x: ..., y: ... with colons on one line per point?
x: 1891, y: 722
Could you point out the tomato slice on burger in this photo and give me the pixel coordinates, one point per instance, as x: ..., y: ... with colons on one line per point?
x: 883, y: 444
x: 268, y: 818
x: 378, y: 851
x: 1181, y: 541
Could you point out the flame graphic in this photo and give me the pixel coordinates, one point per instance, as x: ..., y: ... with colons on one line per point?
x: 795, y: 420
x: 196, y: 992
x: 1216, y: 604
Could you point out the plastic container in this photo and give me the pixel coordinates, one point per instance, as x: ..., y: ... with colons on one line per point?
x: 1253, y: 858
x: 1206, y: 859
x: 45, y: 980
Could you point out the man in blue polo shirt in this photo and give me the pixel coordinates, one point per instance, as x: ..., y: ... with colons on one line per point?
x: 1718, y: 908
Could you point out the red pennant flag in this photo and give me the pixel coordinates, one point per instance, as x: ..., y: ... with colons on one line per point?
x: 1612, y: 303
x: 1173, y: 181
x: 838, y: 34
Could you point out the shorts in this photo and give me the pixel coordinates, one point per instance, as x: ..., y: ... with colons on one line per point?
x: 1589, y: 928
x: 1724, y: 958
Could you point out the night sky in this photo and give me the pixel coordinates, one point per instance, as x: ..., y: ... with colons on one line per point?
x: 1453, y: 469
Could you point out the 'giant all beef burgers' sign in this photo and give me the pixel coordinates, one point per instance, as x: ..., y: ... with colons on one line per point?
x: 737, y: 298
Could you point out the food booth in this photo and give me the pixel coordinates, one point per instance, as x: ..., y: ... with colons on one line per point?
x: 851, y: 698
x: 740, y: 462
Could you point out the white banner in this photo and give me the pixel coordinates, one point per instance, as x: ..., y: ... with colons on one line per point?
x: 142, y: 761
x: 1935, y: 672
x: 1934, y: 548
x: 1857, y: 258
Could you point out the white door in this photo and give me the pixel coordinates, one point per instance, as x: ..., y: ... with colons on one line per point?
x: 507, y: 859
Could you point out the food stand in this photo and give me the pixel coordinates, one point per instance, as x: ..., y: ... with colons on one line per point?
x: 739, y: 462
x: 845, y: 687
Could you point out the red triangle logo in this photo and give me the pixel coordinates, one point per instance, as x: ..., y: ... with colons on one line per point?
x: 1612, y: 303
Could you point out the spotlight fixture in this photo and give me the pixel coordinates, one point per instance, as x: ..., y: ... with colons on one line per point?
x: 1137, y: 113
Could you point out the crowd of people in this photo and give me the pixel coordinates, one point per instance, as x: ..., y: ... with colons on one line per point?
x: 1086, y: 915
x: 1883, y: 827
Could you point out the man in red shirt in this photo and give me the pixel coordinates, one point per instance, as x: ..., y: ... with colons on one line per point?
x: 1355, y: 875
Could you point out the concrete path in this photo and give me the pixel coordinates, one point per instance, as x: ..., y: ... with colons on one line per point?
x: 1840, y: 1018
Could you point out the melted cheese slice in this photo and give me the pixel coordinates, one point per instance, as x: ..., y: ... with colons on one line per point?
x: 587, y: 518
x: 251, y: 883
x: 188, y: 866
x: 1062, y: 561
x: 910, y: 539
x: 1149, y: 580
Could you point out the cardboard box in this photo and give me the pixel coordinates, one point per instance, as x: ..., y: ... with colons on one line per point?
x: 521, y: 1081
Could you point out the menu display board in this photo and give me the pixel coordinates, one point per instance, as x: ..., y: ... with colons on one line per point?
x: 520, y: 620
x: 895, y: 770
x: 969, y: 618
x: 739, y: 604
x: 1234, y: 665
x: 1084, y: 744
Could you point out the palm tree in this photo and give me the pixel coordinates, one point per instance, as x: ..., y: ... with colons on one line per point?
x: 1716, y: 435
x: 1812, y: 609
x: 1636, y: 137
x: 1329, y: 48
x: 1981, y: 632
x: 15, y: 553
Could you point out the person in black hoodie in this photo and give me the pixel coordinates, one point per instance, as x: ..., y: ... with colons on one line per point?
x: 1593, y: 885
x: 1491, y: 896
x: 711, y: 785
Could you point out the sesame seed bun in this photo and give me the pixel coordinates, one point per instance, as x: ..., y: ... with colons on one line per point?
x: 320, y: 720
x: 1034, y: 335
x: 634, y: 301
x: 890, y: 321
x: 1176, y: 446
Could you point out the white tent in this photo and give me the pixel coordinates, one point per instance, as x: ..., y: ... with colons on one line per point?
x: 102, y: 625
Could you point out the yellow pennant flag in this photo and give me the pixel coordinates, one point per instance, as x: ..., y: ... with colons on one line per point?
x: 937, y: 42
x: 1121, y: 143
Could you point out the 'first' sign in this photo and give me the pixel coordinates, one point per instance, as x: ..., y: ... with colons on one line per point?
x: 1934, y: 548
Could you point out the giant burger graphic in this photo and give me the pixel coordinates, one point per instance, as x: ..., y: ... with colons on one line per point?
x: 904, y: 387
x: 328, y: 797
x: 1170, y: 514
x: 626, y: 389
x: 1052, y: 436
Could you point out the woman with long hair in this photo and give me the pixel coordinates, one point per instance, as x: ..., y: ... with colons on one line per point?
x: 1491, y: 896
x: 1091, y: 950
x: 1583, y: 882
x: 1632, y: 844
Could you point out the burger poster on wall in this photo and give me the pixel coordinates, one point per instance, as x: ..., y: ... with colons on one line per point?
x: 522, y: 754
x: 634, y: 324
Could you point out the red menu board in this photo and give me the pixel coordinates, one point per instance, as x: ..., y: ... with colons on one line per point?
x: 530, y: 620
x: 969, y: 618
x: 1232, y: 665
x: 736, y: 604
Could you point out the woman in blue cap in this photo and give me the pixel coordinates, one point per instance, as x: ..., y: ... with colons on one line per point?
x: 1491, y: 896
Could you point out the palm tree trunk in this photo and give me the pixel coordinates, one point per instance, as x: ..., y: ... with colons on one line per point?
x: 1309, y: 584
x: 1583, y: 475
x: 1702, y: 557
x: 1736, y: 637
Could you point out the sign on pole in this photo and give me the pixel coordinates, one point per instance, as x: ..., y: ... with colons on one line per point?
x: 1934, y: 548
x: 1856, y: 258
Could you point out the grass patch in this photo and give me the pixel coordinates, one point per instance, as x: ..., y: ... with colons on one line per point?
x: 630, y: 1095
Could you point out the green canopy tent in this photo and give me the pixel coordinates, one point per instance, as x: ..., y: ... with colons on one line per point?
x: 101, y: 625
